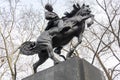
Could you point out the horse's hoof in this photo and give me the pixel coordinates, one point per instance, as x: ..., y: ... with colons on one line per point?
x: 34, y: 72
x: 56, y: 63
x: 63, y: 57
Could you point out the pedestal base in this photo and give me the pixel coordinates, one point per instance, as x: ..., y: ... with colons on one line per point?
x: 72, y: 69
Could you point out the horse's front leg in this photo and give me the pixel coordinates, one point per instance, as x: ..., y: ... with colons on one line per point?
x: 72, y: 50
x: 80, y: 38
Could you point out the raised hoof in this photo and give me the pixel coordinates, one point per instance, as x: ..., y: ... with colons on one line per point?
x: 63, y: 57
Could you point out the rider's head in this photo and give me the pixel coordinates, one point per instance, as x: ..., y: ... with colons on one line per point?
x: 49, y: 7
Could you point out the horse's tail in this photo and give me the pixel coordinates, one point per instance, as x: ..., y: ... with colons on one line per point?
x: 27, y: 48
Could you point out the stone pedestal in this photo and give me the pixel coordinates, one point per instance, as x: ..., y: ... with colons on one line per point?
x: 72, y: 69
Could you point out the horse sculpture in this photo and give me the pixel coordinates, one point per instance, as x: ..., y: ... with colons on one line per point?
x: 54, y: 38
x: 77, y: 12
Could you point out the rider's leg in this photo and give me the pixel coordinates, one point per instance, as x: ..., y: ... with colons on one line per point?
x: 61, y: 27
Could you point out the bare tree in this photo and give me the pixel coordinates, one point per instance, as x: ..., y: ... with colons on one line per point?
x: 17, y: 24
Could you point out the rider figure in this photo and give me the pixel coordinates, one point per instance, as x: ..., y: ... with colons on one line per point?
x: 54, y: 21
x: 51, y: 16
x: 55, y: 26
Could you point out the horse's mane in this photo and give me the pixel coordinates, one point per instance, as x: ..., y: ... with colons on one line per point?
x: 76, y: 8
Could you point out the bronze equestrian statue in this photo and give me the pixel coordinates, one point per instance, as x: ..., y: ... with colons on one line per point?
x: 57, y: 36
x: 53, y: 19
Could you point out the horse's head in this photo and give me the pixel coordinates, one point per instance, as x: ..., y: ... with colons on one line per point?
x: 84, y: 10
x: 77, y: 10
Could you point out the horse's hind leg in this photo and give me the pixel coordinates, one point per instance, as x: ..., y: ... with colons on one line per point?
x: 42, y: 59
x: 36, y: 65
x: 51, y: 55
x: 58, y: 51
